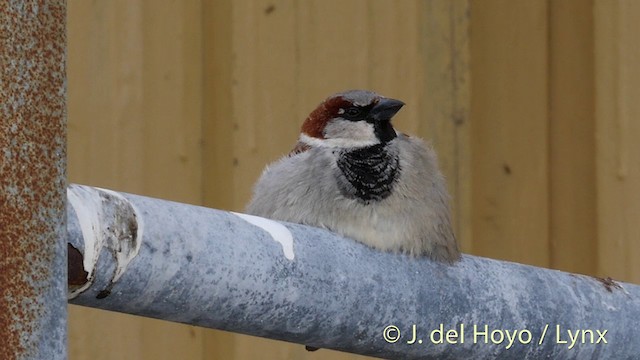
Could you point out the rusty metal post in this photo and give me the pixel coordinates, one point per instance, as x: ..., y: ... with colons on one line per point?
x: 32, y: 179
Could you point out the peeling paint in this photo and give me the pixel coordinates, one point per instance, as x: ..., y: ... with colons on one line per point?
x: 278, y: 232
x: 108, y: 221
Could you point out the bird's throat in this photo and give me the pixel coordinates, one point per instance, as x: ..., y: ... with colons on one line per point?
x: 367, y: 173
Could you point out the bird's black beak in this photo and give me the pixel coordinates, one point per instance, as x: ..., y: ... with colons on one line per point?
x: 385, y: 109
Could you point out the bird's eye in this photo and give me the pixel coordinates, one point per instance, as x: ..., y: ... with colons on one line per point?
x: 353, y: 111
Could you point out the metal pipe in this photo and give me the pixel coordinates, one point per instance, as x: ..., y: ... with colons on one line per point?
x: 33, y: 260
x: 305, y: 285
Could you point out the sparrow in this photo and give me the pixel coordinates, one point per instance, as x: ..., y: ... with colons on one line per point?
x: 352, y: 173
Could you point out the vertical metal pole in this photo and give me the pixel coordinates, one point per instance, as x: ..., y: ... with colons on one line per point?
x: 33, y: 267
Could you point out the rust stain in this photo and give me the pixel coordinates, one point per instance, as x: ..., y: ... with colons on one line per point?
x: 77, y: 275
x: 32, y: 169
x: 608, y: 283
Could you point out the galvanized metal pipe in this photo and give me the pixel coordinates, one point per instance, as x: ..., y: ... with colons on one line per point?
x: 305, y: 285
x: 32, y: 180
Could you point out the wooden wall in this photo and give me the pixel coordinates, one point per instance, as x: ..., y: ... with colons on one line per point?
x: 532, y: 106
x: 617, y: 55
x: 533, y: 136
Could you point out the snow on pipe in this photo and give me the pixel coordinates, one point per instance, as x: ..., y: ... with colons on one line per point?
x: 300, y: 284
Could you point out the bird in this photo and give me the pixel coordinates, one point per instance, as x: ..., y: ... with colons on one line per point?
x: 352, y: 173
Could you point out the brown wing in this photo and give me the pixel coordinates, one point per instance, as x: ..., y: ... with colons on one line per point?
x: 299, y: 148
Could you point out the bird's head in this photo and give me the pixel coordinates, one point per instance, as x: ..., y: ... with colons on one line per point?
x: 351, y: 119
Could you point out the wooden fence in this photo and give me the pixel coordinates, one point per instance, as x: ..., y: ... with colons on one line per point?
x: 532, y: 105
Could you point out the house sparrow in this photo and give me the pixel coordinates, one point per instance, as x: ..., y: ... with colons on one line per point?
x: 353, y: 174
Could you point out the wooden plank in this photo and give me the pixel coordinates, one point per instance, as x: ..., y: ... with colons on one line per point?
x: 134, y: 122
x: 445, y: 101
x: 172, y: 98
x: 105, y: 106
x: 509, y: 130
x: 218, y: 122
x: 617, y: 57
x: 263, y: 89
x: 333, y: 50
x: 573, y: 230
